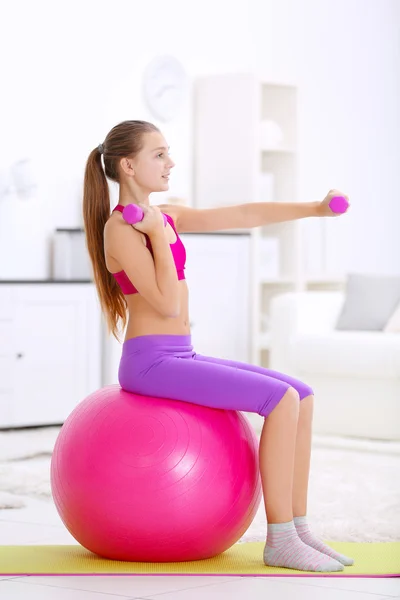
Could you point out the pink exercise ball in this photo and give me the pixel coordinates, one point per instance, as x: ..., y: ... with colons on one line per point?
x: 145, y: 479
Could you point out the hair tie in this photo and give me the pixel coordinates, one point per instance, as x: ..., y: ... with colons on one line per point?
x: 100, y: 148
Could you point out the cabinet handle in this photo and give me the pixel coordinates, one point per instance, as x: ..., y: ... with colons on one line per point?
x: 20, y: 355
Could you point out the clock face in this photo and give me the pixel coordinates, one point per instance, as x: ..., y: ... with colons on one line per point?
x: 164, y: 86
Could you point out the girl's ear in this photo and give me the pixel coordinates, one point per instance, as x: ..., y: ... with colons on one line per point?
x: 127, y: 166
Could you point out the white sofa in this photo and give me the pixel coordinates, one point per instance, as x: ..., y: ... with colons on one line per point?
x: 355, y: 375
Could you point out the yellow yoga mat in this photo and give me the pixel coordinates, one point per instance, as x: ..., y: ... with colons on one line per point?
x: 381, y: 558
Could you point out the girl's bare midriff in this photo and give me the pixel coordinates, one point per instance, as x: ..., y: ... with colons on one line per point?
x: 143, y: 319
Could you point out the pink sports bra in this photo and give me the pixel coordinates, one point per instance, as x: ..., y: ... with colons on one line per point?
x: 178, y: 252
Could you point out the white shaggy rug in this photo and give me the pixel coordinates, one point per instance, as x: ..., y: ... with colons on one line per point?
x: 354, y: 491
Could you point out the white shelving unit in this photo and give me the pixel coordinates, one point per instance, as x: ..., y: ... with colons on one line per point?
x: 245, y: 138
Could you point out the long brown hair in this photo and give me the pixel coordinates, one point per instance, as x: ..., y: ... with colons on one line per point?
x: 124, y: 140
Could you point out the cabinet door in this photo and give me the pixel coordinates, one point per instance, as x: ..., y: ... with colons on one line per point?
x: 217, y: 272
x: 56, y: 346
x: 7, y: 351
x: 7, y: 369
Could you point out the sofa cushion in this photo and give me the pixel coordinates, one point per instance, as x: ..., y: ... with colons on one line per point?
x: 346, y: 354
x: 370, y: 300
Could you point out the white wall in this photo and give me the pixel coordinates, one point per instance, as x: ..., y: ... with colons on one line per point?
x: 70, y: 72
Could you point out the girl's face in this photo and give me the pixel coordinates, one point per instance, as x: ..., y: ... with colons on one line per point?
x: 152, y: 166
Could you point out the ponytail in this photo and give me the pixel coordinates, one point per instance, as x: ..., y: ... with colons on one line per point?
x: 96, y: 211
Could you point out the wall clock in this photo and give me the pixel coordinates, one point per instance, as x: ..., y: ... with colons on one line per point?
x: 164, y: 86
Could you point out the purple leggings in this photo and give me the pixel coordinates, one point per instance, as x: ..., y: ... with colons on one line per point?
x: 166, y: 366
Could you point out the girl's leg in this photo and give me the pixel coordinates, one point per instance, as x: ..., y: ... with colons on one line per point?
x: 276, y: 458
x: 300, y: 483
x: 303, y: 430
x: 302, y: 457
x: 302, y: 435
x: 302, y: 388
x: 172, y: 371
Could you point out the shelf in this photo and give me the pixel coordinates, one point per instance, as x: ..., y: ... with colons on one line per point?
x: 278, y: 150
x: 277, y: 280
x: 326, y: 279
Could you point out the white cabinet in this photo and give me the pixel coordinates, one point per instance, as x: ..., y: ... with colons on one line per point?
x: 50, y: 350
x: 217, y: 273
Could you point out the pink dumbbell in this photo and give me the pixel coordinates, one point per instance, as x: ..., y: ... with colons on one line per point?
x: 132, y: 214
x: 338, y: 204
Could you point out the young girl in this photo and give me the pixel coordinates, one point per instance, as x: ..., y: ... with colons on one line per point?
x: 140, y: 278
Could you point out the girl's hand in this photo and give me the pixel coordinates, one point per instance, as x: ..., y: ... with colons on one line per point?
x: 152, y: 220
x: 324, y: 210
